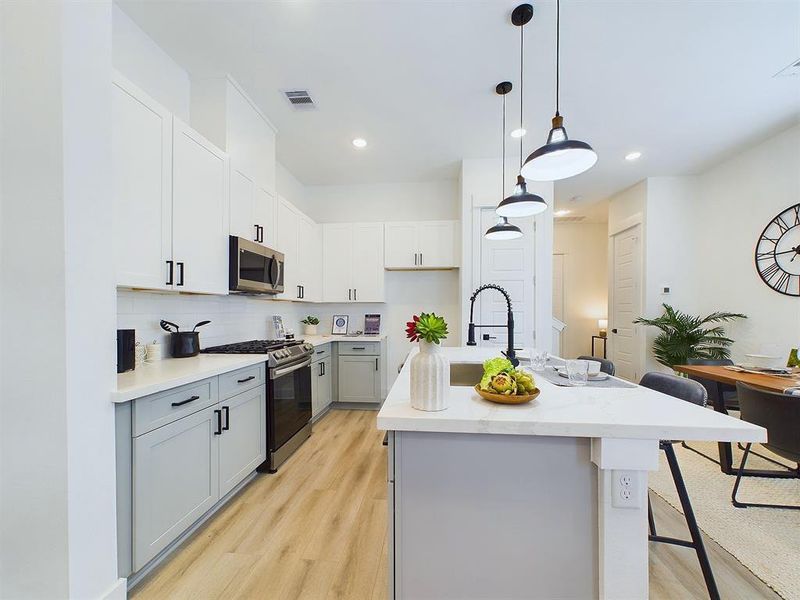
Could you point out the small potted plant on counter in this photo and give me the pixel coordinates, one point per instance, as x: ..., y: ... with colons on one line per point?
x: 430, y: 369
x: 310, y: 325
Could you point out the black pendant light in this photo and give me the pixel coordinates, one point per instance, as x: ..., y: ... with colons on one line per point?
x: 521, y: 203
x: 560, y: 157
x: 503, y: 230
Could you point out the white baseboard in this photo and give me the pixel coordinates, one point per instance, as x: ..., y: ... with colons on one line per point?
x: 118, y: 591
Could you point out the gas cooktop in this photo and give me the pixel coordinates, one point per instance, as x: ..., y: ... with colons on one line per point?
x: 253, y: 347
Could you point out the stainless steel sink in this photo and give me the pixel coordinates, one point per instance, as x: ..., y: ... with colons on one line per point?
x: 465, y: 374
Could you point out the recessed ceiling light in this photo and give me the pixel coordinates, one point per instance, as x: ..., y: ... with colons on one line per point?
x: 360, y: 143
x: 632, y: 155
x: 518, y: 133
x: 562, y: 212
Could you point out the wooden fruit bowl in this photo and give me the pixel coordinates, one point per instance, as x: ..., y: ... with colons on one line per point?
x: 504, y: 399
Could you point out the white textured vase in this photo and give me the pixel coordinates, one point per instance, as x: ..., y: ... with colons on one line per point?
x: 309, y: 329
x: 430, y: 378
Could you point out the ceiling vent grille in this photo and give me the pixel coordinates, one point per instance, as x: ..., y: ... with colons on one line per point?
x: 300, y: 99
x: 790, y: 70
x: 570, y: 219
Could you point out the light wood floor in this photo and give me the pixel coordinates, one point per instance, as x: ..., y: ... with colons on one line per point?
x: 317, y: 530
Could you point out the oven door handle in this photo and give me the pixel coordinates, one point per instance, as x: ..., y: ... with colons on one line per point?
x: 275, y: 373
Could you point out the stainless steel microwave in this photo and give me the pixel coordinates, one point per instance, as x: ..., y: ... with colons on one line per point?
x: 254, y: 268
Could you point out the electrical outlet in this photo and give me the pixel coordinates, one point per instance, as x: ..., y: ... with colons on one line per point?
x: 625, y: 489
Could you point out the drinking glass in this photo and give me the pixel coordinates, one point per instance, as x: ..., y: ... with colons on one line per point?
x: 538, y: 359
x: 578, y: 372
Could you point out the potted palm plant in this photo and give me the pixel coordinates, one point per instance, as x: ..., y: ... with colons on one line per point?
x: 683, y: 336
x: 430, y: 369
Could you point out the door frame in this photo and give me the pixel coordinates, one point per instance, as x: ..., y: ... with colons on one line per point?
x: 635, y: 220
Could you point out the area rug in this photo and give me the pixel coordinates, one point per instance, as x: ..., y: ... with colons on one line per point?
x: 765, y: 540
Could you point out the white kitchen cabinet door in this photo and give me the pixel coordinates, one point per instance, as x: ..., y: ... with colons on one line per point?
x: 309, y: 257
x: 359, y: 379
x: 265, y: 215
x: 200, y: 214
x: 287, y: 243
x: 243, y: 443
x: 337, y: 252
x: 242, y: 211
x: 437, y: 244
x: 367, y: 262
x: 141, y: 155
x: 175, y: 481
x: 401, y: 246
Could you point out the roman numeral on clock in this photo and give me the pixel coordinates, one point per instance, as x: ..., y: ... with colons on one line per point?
x: 769, y: 272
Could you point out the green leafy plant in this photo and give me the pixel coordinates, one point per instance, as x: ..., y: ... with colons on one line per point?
x: 309, y: 320
x: 685, y: 336
x: 427, y: 326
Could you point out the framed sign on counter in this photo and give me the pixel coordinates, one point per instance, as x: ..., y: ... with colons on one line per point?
x: 339, y: 326
x: 372, y: 324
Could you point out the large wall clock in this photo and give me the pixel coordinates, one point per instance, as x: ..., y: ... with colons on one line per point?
x: 778, y: 252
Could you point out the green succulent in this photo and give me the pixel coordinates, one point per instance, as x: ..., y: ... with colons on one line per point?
x: 431, y: 328
x: 310, y: 320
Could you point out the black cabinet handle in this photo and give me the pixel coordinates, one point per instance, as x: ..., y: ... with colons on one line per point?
x: 323, y: 367
x: 376, y: 364
x: 320, y: 371
x: 180, y: 274
x: 227, y: 418
x: 350, y: 294
x: 355, y: 294
x: 302, y: 291
x: 320, y: 351
x: 182, y: 402
x: 614, y: 330
x: 246, y: 379
x: 255, y: 239
x: 415, y: 259
x: 420, y: 259
x: 169, y: 277
x: 260, y: 234
x: 219, y: 422
x: 358, y: 348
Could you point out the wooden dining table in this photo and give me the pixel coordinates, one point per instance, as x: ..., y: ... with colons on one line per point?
x: 722, y: 376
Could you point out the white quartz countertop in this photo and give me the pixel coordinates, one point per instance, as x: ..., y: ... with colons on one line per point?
x: 153, y: 377
x: 319, y: 340
x: 637, y: 413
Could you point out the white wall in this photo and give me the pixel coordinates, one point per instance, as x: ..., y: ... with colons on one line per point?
x: 141, y: 60
x: 585, y: 283
x: 57, y: 503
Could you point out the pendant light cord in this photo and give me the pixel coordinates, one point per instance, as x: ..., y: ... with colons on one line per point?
x: 521, y: 86
x: 558, y: 52
x: 503, y: 136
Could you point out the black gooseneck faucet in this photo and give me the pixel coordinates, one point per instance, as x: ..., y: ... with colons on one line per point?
x: 509, y: 354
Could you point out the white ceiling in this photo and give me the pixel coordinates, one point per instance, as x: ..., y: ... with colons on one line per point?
x: 684, y: 82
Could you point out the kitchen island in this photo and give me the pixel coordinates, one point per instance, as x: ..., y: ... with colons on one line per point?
x: 542, y: 500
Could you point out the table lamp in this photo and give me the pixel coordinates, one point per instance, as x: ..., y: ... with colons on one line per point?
x: 603, y: 325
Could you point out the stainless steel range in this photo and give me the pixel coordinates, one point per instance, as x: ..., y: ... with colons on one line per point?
x: 288, y: 394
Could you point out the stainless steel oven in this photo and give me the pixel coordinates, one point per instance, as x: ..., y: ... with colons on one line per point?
x: 254, y: 268
x: 288, y: 409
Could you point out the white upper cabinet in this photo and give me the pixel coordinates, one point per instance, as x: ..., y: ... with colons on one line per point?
x: 141, y: 154
x: 299, y: 238
x: 265, y: 215
x: 243, y: 204
x: 199, y: 212
x: 286, y: 242
x: 352, y: 263
x: 421, y: 245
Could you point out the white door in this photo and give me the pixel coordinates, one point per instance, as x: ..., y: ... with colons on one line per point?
x: 401, y: 249
x: 243, y: 223
x: 141, y: 156
x: 437, y: 244
x: 359, y: 379
x: 287, y: 243
x: 265, y: 214
x: 175, y: 481
x: 337, y: 251
x: 199, y: 212
x: 243, y: 443
x: 366, y: 266
x: 558, y: 287
x: 626, y: 303
x: 509, y: 264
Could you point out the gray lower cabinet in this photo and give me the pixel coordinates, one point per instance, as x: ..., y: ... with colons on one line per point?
x: 242, y: 445
x: 359, y: 379
x: 175, y: 481
x: 321, y: 386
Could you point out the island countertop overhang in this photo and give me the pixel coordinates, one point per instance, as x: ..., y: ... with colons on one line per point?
x: 625, y: 413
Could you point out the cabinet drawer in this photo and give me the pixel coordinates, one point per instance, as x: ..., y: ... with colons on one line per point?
x: 156, y: 410
x: 358, y: 348
x: 241, y: 380
x: 321, y: 353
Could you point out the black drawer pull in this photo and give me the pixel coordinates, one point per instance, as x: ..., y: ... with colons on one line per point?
x: 246, y: 379
x: 182, y: 402
x: 320, y: 351
x: 358, y: 348
x: 227, y: 418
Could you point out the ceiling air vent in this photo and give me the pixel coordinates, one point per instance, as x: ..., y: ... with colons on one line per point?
x: 570, y: 219
x: 790, y: 70
x: 300, y: 99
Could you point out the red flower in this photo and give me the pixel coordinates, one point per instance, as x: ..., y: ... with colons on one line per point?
x: 411, y: 329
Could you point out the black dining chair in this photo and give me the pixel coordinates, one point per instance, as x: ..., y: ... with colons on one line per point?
x: 779, y: 414
x: 689, y: 391
x: 606, y: 366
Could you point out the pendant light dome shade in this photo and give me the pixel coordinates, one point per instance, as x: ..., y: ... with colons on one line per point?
x: 521, y: 203
x: 560, y: 157
x: 503, y: 231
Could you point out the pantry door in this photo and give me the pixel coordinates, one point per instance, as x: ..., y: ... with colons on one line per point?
x: 509, y: 264
x: 626, y: 303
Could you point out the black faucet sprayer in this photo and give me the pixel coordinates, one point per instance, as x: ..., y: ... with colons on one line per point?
x: 509, y: 353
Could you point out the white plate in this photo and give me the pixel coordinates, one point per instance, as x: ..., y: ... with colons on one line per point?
x: 599, y: 377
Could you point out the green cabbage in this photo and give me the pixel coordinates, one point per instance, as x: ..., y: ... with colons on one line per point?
x: 492, y: 367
